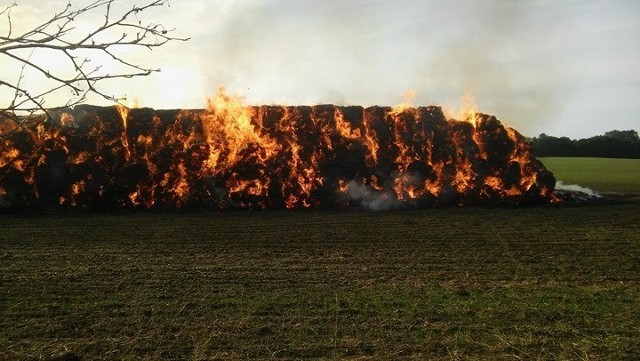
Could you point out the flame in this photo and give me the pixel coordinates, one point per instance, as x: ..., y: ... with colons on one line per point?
x: 408, y: 101
x: 8, y: 156
x: 344, y: 127
x: 234, y: 155
x: 67, y: 120
x: 229, y: 131
x: 124, y: 113
x: 467, y: 111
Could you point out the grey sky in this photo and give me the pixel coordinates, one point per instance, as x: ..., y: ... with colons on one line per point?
x: 559, y: 67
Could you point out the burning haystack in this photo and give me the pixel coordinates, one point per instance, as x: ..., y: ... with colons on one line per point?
x: 236, y: 156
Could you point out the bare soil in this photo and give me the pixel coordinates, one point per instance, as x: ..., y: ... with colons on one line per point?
x: 454, y: 283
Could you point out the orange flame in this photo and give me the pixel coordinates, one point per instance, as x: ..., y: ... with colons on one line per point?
x: 235, y: 155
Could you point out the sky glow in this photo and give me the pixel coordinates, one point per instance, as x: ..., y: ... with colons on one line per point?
x: 565, y: 68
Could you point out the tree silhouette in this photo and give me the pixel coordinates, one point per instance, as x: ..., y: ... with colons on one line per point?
x: 613, y: 144
x: 78, y: 49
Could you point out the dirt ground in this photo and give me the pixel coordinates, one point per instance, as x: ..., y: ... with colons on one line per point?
x: 454, y: 283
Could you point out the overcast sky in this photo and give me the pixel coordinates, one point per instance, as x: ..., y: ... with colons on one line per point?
x: 559, y: 67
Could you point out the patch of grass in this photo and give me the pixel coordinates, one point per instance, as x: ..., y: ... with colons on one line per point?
x: 543, y: 283
x: 601, y: 174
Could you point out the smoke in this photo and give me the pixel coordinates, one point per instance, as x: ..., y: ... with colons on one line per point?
x: 529, y: 62
x: 370, y: 199
x: 492, y: 58
x: 371, y: 52
x: 576, y: 188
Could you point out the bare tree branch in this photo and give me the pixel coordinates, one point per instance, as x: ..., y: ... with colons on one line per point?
x: 58, y: 35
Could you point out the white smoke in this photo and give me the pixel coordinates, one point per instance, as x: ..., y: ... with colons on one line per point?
x: 371, y: 199
x: 576, y: 188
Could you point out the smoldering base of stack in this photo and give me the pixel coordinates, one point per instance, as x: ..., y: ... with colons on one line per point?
x: 158, y: 159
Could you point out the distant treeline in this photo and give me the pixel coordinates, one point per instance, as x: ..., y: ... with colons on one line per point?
x: 613, y: 144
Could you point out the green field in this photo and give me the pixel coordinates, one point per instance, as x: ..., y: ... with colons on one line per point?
x: 455, y: 283
x: 602, y: 174
x: 451, y: 283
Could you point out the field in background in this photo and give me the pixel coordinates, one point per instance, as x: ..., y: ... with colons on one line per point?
x: 601, y: 174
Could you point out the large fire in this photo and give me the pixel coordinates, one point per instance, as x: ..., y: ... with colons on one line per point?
x: 236, y: 156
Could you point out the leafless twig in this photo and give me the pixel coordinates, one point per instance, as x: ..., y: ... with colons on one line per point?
x: 58, y: 34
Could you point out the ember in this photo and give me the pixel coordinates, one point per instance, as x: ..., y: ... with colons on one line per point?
x: 235, y: 156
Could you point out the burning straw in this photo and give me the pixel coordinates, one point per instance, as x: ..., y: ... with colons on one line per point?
x: 235, y: 156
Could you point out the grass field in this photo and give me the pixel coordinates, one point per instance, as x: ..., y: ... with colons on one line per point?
x: 601, y: 174
x: 454, y: 283
x: 478, y: 283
